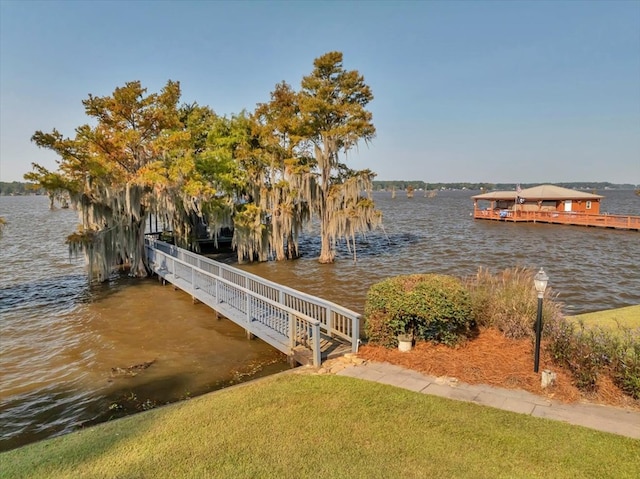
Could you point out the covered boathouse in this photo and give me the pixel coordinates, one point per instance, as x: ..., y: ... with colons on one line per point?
x: 549, y: 204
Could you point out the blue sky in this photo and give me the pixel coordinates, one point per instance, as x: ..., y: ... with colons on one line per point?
x: 504, y: 91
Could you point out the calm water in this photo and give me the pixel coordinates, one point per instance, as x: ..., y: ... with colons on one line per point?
x: 60, y: 338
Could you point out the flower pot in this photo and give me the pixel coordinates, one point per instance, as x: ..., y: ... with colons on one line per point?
x: 405, y: 343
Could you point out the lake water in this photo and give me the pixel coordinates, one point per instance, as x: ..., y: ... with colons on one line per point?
x: 590, y: 269
x: 61, y: 338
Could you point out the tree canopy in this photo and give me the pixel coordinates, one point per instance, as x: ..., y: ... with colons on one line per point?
x: 111, y: 171
x: 333, y: 119
x: 264, y: 174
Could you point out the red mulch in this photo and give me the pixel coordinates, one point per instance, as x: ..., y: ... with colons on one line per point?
x: 490, y: 358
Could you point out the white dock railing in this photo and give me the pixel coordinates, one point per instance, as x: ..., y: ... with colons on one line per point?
x: 279, y: 315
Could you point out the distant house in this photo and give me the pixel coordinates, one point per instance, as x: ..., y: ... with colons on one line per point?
x: 543, y: 198
x: 549, y: 204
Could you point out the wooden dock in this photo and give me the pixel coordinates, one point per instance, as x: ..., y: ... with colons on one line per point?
x: 306, y: 328
x: 622, y: 222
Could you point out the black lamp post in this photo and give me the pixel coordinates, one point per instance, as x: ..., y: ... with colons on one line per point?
x: 540, y: 280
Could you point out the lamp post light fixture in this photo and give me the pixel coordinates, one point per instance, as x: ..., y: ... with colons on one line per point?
x: 540, y: 280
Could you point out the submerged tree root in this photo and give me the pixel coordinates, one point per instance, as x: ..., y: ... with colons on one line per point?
x: 131, y: 370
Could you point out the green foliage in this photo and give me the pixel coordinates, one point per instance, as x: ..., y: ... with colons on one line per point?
x: 285, y: 190
x: 428, y: 306
x: 590, y: 352
x: 626, y: 363
x: 17, y: 188
x: 333, y: 119
x: 559, y: 338
x: 388, y: 185
x: 110, y: 170
x: 57, y: 186
x: 143, y: 155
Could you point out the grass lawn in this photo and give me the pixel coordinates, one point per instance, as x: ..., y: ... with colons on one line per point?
x: 324, y: 426
x: 628, y: 317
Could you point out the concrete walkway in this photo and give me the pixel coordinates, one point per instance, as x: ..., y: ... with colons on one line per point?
x: 603, y: 418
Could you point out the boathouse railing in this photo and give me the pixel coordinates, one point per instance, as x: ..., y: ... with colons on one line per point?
x: 561, y: 217
x: 282, y: 316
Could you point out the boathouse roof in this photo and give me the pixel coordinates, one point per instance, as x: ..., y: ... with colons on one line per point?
x: 541, y: 192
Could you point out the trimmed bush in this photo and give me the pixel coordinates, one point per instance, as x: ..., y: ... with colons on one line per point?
x: 427, y: 306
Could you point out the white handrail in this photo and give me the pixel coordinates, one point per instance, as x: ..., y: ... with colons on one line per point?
x: 259, y: 279
x: 242, y: 318
x: 326, y: 312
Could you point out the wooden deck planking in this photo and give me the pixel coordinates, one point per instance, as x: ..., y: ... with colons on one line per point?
x: 621, y: 222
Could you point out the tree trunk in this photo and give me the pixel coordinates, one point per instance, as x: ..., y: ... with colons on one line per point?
x: 324, y: 157
x: 278, y: 237
x: 139, y: 268
x: 292, y: 247
x: 327, y: 254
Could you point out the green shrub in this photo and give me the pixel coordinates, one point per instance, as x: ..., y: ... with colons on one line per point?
x: 591, y: 352
x: 625, y: 364
x: 379, y: 331
x: 559, y: 338
x: 428, y: 306
x: 588, y: 358
x: 576, y: 350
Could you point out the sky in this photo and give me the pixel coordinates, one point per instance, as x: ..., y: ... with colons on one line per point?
x: 464, y: 91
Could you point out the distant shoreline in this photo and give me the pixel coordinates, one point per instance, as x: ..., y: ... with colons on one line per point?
x: 22, y: 188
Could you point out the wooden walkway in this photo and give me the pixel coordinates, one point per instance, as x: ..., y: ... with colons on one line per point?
x: 306, y: 328
x: 561, y: 217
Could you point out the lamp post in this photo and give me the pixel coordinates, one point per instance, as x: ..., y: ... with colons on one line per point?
x: 540, y: 280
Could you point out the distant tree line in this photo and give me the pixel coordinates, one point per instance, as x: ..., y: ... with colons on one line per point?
x: 17, y: 188
x: 379, y: 185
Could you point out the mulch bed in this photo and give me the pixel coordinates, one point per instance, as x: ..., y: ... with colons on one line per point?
x: 490, y: 358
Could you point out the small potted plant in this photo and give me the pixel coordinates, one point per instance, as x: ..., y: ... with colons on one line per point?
x: 405, y: 339
x: 405, y: 342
